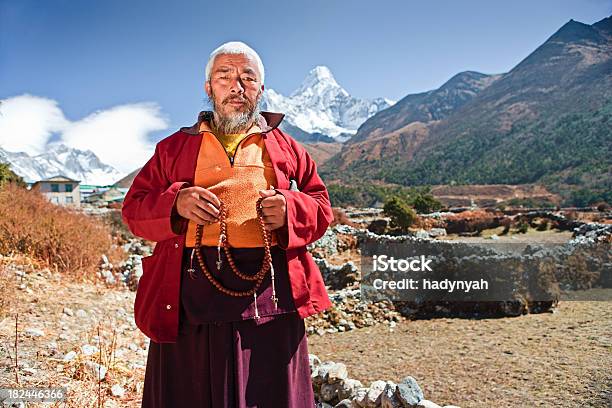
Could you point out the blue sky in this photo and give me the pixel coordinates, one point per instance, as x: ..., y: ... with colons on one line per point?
x: 94, y: 56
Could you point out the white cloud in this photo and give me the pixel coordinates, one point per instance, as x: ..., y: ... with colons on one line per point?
x: 118, y: 136
x: 27, y: 122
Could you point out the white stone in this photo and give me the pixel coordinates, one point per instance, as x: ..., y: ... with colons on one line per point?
x: 33, y: 332
x: 117, y: 391
x: 88, y: 350
x: 70, y: 355
x: 427, y: 404
x: 376, y: 388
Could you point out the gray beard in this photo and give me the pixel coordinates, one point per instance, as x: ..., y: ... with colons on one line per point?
x: 238, y: 123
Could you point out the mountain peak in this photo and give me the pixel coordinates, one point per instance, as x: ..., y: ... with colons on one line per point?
x: 319, y: 76
x: 321, y: 72
x: 604, y: 24
x: 321, y: 106
x: 574, y: 31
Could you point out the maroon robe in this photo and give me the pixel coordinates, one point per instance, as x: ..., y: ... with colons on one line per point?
x: 223, y: 358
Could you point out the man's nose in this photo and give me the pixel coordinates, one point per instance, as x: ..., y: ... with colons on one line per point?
x: 236, y: 86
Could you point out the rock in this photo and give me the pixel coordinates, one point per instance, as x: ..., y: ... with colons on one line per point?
x: 360, y: 398
x: 67, y: 311
x: 70, y: 355
x: 378, y: 226
x: 422, y: 234
x: 409, y: 392
x: 348, y: 388
x: 349, y: 312
x: 81, y: 313
x: 345, y: 403
x: 329, y: 392
x: 320, y: 374
x: 108, y: 276
x: 437, y: 232
x: 338, y: 276
x: 88, y: 350
x: 326, y: 245
x: 117, y: 391
x: 323, y: 405
x: 388, y: 398
x: 427, y: 404
x: 337, y: 373
x: 33, y: 332
x: 314, y: 362
x: 373, y: 396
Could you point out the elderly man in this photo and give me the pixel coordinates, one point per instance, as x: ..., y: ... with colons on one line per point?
x: 232, y: 202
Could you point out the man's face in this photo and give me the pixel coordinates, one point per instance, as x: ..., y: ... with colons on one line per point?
x: 235, y: 86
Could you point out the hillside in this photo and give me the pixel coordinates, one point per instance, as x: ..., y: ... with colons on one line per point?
x: 546, y: 121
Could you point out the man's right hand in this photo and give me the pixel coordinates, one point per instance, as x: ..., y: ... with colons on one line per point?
x: 198, y: 205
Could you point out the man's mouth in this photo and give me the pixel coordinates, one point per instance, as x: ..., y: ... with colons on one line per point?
x: 236, y: 102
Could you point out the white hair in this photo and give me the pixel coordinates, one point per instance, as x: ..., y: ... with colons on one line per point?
x: 234, y: 47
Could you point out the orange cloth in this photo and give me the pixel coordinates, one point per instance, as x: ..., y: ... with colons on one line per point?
x: 235, y: 185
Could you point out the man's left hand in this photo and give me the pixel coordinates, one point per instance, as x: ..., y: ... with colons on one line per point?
x: 274, y: 208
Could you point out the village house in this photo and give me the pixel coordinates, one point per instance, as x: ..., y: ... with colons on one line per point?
x: 60, y: 190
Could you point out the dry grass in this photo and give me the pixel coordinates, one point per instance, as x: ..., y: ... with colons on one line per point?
x: 65, y: 240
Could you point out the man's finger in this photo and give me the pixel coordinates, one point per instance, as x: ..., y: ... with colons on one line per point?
x: 208, y: 196
x: 270, y: 219
x: 208, y: 207
x: 267, y: 193
x: 202, y: 216
x: 271, y: 201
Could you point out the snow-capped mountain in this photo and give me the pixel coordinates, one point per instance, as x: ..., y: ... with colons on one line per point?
x: 322, y: 106
x: 77, y: 164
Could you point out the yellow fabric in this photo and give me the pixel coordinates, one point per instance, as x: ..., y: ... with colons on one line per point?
x: 237, y: 186
x: 231, y: 141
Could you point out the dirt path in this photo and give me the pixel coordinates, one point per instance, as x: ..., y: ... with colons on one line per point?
x: 560, y: 359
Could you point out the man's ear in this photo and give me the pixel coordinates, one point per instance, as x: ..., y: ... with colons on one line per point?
x: 207, y: 88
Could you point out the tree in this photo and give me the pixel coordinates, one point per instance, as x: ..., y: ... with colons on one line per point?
x: 425, y: 203
x: 7, y: 176
x: 402, y: 216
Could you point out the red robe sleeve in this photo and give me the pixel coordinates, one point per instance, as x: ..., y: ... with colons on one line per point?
x: 309, y: 210
x: 149, y: 205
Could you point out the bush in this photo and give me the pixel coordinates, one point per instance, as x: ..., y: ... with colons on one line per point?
x: 522, y: 227
x: 425, y: 203
x: 61, y: 238
x: 402, y: 216
x: 543, y: 225
x: 340, y: 218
